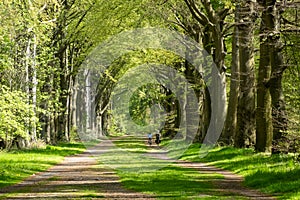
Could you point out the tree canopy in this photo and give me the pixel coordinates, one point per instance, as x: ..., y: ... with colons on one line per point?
x: 46, y: 95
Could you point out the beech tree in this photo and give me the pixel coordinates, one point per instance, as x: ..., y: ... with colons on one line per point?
x: 246, y: 101
x: 264, y: 127
x: 278, y: 67
x: 230, y: 128
x: 43, y: 44
x: 212, y: 21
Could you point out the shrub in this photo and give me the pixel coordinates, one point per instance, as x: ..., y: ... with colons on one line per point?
x: 17, y: 116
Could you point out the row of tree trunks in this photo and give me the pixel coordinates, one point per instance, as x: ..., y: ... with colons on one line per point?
x: 246, y: 124
x: 67, y: 48
x: 212, y: 22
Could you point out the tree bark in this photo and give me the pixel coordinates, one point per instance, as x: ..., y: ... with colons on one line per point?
x: 264, y: 128
x: 68, y: 79
x: 27, y: 71
x: 34, y: 89
x: 31, y: 81
x: 246, y: 104
x: 231, y: 119
x: 213, y: 22
x: 279, y: 113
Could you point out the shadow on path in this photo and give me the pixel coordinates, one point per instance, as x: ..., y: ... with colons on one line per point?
x: 82, y: 177
x: 79, y: 177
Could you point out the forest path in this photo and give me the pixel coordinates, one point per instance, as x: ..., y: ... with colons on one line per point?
x: 77, y: 177
x: 82, y: 177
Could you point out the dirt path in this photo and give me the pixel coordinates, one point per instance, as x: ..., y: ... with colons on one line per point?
x: 77, y: 177
x: 81, y: 177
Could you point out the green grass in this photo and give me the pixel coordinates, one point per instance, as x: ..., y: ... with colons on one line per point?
x: 125, y: 160
x: 159, y: 178
x: 17, y: 165
x: 277, y: 174
x: 130, y: 144
x: 171, y: 183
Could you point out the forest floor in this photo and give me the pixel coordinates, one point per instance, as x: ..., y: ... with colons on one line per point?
x: 83, y: 177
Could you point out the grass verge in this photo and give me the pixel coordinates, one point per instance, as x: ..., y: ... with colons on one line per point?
x: 20, y: 164
x: 277, y: 174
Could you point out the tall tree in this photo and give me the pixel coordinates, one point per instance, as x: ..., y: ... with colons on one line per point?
x: 280, y: 121
x: 212, y: 20
x: 264, y: 128
x: 246, y: 104
x: 66, y: 42
x: 231, y: 119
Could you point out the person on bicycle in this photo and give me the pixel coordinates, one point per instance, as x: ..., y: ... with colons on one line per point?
x: 157, y: 138
x: 150, y: 139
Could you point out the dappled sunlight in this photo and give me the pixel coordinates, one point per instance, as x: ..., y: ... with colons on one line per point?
x: 17, y: 165
x: 276, y: 174
x: 78, y: 176
x: 128, y: 168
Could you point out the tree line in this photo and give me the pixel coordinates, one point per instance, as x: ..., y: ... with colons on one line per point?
x: 254, y: 45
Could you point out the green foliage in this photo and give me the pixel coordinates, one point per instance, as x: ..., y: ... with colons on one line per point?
x: 16, y: 115
x: 114, y: 127
x: 291, y: 77
x: 144, y: 98
x: 67, y: 33
x: 107, y: 18
x: 141, y: 102
x: 291, y: 83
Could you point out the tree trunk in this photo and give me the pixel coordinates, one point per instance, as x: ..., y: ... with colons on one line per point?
x: 213, y: 22
x: 68, y: 79
x: 88, y: 102
x: 27, y: 71
x: 54, y: 127
x: 231, y: 119
x: 99, y: 126
x: 31, y: 81
x: 184, y: 116
x: 206, y: 114
x: 34, y: 89
x: 218, y: 85
x: 246, y: 104
x: 48, y: 130
x: 279, y: 114
x: 264, y: 126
